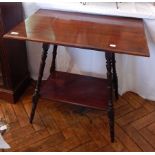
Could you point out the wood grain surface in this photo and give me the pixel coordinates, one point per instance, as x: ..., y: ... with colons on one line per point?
x: 62, y: 127
x: 97, y: 32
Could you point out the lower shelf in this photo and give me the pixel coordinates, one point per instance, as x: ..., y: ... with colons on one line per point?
x: 76, y: 89
x: 1, y: 78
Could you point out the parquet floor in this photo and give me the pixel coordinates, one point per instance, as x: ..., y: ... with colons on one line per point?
x: 60, y: 127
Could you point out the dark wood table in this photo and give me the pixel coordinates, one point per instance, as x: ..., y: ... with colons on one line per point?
x: 97, y: 32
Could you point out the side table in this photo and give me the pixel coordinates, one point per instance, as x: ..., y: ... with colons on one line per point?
x: 97, y: 32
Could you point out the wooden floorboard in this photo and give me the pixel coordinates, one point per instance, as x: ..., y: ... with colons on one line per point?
x: 62, y: 127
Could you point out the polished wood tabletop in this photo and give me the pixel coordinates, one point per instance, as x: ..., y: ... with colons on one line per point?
x: 97, y: 32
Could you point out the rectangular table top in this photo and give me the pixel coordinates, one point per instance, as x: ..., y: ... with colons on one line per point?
x: 97, y: 32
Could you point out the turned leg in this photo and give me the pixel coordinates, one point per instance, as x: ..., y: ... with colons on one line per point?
x: 115, y: 79
x: 36, y: 94
x: 108, y: 56
x: 53, y: 65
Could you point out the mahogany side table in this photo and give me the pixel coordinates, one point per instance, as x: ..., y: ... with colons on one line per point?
x: 97, y: 32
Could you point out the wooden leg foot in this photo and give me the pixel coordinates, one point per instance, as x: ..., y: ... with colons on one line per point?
x: 111, y: 125
x: 34, y: 105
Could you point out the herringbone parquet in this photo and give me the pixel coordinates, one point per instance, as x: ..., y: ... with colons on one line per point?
x: 61, y: 127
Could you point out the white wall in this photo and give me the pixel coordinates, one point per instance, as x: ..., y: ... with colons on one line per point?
x: 135, y: 73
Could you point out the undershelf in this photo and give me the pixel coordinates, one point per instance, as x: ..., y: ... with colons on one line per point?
x: 76, y: 89
x: 1, y: 78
